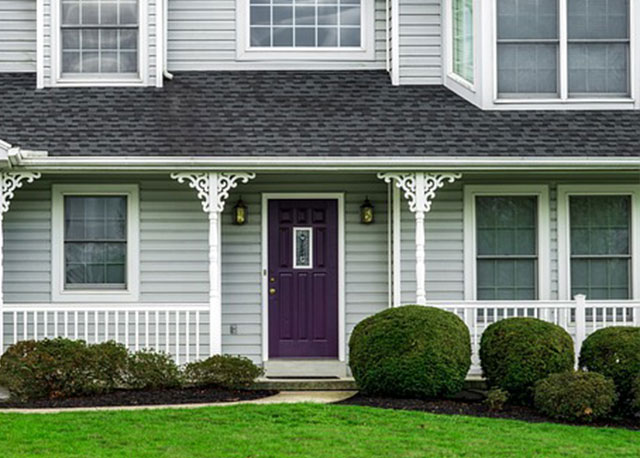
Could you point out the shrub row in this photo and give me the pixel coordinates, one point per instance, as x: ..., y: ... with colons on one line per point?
x: 415, y: 351
x: 59, y: 368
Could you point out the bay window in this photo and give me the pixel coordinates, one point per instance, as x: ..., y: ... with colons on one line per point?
x: 552, y: 49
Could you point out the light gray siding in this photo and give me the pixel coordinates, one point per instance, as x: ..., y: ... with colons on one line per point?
x: 17, y: 36
x: 202, y: 36
x: 420, y: 42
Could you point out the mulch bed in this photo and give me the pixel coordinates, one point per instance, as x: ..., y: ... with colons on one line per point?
x: 145, y: 398
x: 475, y: 409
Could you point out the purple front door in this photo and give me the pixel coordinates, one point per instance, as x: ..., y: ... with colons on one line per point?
x: 303, y: 278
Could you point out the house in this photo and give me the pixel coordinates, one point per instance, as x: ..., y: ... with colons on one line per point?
x: 255, y: 177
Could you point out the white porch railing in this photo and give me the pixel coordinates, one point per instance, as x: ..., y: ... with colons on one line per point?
x: 579, y: 317
x: 181, y: 330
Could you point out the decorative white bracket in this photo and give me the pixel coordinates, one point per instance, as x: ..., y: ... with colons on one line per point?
x: 213, y: 187
x: 419, y: 187
x: 420, y: 191
x: 12, y: 181
x: 213, y: 191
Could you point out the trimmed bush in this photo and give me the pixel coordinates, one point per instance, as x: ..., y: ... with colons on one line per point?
x: 635, y: 393
x: 224, y: 371
x: 410, y: 351
x: 615, y: 353
x: 110, y: 361
x: 496, y: 399
x: 52, y: 369
x: 575, y: 396
x: 148, y: 370
x: 517, y: 352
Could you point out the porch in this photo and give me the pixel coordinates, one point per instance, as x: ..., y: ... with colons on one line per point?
x: 202, y: 282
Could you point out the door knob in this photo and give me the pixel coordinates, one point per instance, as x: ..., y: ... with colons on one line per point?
x: 272, y: 291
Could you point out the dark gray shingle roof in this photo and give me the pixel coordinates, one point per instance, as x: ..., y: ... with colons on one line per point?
x: 295, y: 113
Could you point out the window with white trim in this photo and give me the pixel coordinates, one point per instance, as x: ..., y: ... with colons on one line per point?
x: 546, y: 53
x: 95, y: 242
x: 462, y: 39
x: 99, y: 38
x: 305, y: 23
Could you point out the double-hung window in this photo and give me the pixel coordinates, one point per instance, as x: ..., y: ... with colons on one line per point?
x: 573, y: 49
x: 99, y: 39
x: 598, y: 240
x: 325, y: 29
x: 95, y: 242
x: 506, y: 242
x: 462, y: 39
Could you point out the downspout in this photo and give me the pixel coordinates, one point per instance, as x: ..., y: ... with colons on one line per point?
x: 165, y: 56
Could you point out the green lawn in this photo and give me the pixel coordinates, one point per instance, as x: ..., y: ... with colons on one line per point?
x: 299, y: 431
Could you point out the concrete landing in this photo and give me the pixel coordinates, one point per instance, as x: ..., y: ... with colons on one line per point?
x: 305, y: 384
x: 4, y: 394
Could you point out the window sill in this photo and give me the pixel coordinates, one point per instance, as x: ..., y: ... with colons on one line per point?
x: 625, y: 103
x: 461, y: 81
x: 99, y: 82
x: 305, y: 54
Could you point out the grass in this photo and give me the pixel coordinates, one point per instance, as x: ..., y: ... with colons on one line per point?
x: 300, y: 430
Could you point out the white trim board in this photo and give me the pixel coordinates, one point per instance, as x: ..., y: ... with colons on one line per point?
x: 543, y: 236
x: 132, y: 292
x: 564, y: 265
x: 365, y: 52
x: 339, y: 197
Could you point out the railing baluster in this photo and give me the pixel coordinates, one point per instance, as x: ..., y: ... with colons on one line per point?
x: 86, y: 326
x: 146, y: 329
x: 187, y: 349
x: 45, y: 332
x: 157, y: 343
x: 25, y: 325
x: 15, y: 327
x: 126, y: 329
x: 177, y: 338
x: 197, y: 335
x: 167, y: 331
x: 137, y: 315
x: 96, y: 330
x: 56, y: 324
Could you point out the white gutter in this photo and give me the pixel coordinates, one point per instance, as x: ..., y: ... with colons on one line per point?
x: 37, y: 161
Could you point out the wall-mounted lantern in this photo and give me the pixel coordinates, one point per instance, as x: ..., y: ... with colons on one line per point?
x: 239, y: 213
x: 366, y: 212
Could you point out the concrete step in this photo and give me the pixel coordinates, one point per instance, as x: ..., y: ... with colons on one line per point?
x: 473, y: 384
x: 305, y: 368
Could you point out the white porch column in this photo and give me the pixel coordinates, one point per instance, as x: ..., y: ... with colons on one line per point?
x: 10, y: 182
x: 213, y: 190
x: 419, y: 190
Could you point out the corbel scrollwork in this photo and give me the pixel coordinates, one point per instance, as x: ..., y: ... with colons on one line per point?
x: 12, y: 181
x: 419, y: 187
x: 220, y: 182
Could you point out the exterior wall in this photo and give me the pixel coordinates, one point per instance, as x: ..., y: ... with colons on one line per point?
x: 420, y: 42
x: 17, y: 36
x: 174, y: 261
x: 202, y: 36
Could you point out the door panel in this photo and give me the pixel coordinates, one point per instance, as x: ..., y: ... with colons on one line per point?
x: 303, y: 278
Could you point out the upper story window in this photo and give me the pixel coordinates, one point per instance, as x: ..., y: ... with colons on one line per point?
x: 462, y: 39
x: 547, y: 53
x: 99, y: 39
x: 305, y: 29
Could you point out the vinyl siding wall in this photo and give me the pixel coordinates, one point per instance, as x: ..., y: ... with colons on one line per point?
x: 17, y: 36
x: 420, y: 42
x: 202, y: 36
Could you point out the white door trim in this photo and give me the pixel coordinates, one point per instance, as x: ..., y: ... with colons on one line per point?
x: 266, y: 197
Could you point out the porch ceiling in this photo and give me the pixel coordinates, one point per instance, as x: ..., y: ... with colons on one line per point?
x: 292, y: 114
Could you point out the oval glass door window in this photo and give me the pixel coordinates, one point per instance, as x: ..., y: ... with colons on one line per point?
x: 302, y: 248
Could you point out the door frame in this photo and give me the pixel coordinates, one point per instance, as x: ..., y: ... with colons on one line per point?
x: 266, y: 197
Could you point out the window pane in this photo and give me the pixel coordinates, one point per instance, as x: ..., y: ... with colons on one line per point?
x: 506, y: 279
x: 518, y: 19
x: 305, y: 23
x: 604, y: 19
x: 600, y: 279
x: 463, y: 39
x: 506, y: 225
x: 528, y: 70
x: 598, y: 68
x: 95, y: 240
x: 302, y: 247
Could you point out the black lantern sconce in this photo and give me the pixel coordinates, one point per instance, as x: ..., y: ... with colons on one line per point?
x: 366, y: 212
x: 239, y: 213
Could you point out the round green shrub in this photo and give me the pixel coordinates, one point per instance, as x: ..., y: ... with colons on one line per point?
x: 517, y: 352
x: 224, y: 371
x: 149, y: 370
x: 50, y: 368
x: 635, y: 395
x: 575, y: 396
x: 410, y: 351
x: 110, y: 364
x: 615, y: 353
